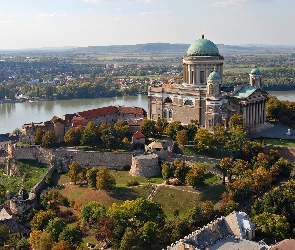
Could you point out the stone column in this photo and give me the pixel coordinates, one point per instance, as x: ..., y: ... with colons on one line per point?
x: 245, y: 115
x: 198, y: 74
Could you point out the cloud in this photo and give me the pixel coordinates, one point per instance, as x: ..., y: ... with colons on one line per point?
x: 50, y: 15
x: 127, y: 1
x: 229, y: 3
x: 154, y: 13
x: 7, y: 21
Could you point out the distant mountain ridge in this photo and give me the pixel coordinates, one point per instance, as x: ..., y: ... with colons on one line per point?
x: 151, y: 48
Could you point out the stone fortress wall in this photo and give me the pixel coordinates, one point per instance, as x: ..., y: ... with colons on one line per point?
x: 146, y: 165
x: 62, y: 157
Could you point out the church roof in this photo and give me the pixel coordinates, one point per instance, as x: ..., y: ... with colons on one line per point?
x: 214, y: 75
x: 244, y: 92
x: 203, y: 47
x: 255, y: 71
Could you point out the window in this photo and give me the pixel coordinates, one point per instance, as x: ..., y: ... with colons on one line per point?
x: 188, y: 102
x: 170, y: 113
x: 202, y: 77
x: 168, y: 100
x: 211, y: 89
x: 165, y: 113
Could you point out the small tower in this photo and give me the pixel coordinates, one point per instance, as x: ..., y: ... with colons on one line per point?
x: 214, y: 101
x: 255, y: 78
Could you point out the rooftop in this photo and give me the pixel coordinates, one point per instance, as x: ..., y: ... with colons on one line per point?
x: 244, y: 92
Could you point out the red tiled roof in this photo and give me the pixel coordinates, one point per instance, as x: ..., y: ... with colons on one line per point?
x: 78, y: 121
x: 287, y: 244
x: 97, y: 112
x: 131, y: 110
x: 138, y: 135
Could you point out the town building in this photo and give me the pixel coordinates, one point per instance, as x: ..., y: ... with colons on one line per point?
x: 110, y: 114
x: 203, y: 97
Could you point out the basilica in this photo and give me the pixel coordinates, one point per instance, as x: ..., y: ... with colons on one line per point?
x: 202, y: 95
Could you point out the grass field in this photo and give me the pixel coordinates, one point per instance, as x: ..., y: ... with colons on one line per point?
x: 30, y: 173
x: 170, y: 197
x: 277, y: 142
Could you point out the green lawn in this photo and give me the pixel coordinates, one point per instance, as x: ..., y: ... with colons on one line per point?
x: 173, y: 198
x: 122, y: 177
x: 30, y: 173
x: 277, y: 142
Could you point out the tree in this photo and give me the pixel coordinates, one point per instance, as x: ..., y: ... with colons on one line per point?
x: 220, y: 135
x: 127, y: 239
x: 41, y: 240
x: 121, y: 129
x: 195, y: 177
x: 191, y: 129
x: 236, y: 139
x: 104, y: 179
x: 148, y: 232
x: 4, y: 235
x: 91, y: 177
x: 38, y: 136
x: 236, y: 121
x: 172, y: 128
x: 147, y: 127
x: 90, y: 135
x: 64, y: 245
x: 181, y: 137
x: 226, y: 163
x: 55, y: 227
x: 17, y: 131
x: 180, y: 169
x: 160, y: 126
x: 53, y: 196
x: 71, y: 235
x: 73, y: 136
x: 2, y: 193
x: 108, y: 136
x: 49, y: 139
x: 75, y: 172
x: 91, y: 213
x: 262, y: 179
x: 204, y: 140
x: 41, y: 219
x: 105, y: 229
x: 200, y: 214
x: 271, y: 225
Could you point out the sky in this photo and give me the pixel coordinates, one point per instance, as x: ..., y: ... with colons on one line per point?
x: 57, y: 23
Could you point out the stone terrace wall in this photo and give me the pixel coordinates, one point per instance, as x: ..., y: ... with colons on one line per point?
x: 62, y: 157
x: 115, y: 160
x: 33, y: 153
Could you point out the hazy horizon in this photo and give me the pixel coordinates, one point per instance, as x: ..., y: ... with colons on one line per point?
x: 27, y: 24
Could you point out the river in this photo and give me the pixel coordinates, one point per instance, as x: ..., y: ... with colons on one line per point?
x: 14, y: 115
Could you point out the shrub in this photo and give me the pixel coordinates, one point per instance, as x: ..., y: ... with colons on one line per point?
x: 132, y: 183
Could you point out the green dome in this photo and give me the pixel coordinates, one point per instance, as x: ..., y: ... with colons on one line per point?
x: 203, y: 47
x: 255, y: 71
x: 214, y: 76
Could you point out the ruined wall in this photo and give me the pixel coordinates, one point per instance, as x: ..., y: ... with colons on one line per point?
x: 19, y: 206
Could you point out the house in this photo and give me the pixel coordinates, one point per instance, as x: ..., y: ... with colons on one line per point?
x: 13, y: 226
x: 138, y: 138
x: 162, y: 148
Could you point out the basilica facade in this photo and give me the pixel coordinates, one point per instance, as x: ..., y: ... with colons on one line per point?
x: 202, y: 95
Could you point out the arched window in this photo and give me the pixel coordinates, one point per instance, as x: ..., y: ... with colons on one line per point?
x: 170, y: 113
x: 168, y: 100
x: 188, y: 102
x: 165, y: 113
x: 211, y: 89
